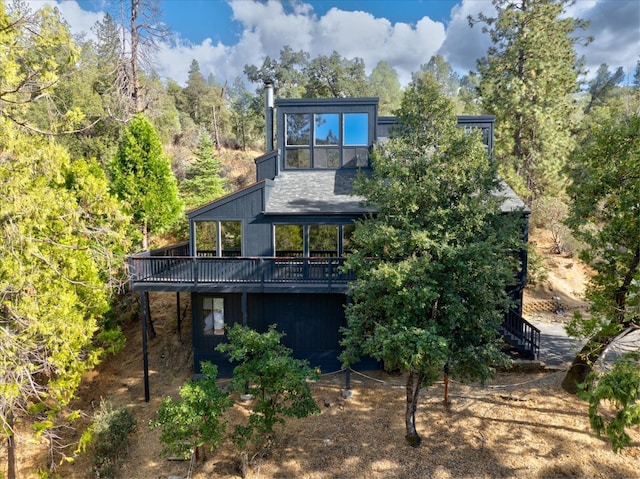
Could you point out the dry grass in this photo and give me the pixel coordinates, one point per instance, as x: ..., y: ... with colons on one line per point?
x: 520, y: 425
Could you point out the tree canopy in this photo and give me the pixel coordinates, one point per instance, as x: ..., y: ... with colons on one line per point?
x: 605, y: 215
x: 62, y: 235
x: 141, y: 177
x: 433, y: 264
x: 528, y: 80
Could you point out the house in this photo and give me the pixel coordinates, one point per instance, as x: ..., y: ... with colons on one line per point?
x: 272, y: 252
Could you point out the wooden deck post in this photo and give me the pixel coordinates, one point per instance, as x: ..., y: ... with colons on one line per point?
x: 179, y: 316
x: 145, y: 351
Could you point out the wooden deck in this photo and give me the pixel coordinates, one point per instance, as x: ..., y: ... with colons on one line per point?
x: 151, y: 272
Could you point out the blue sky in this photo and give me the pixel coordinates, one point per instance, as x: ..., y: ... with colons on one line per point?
x: 225, y: 35
x: 218, y: 25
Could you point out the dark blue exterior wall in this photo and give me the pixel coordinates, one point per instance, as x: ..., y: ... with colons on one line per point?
x: 311, y: 323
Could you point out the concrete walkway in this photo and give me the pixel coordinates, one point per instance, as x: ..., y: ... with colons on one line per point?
x: 558, y: 349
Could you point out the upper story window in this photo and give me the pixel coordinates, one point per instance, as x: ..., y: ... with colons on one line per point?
x: 327, y: 140
x: 484, y: 123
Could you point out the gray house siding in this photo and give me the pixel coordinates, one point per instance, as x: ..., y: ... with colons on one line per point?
x: 311, y: 324
x: 304, y: 295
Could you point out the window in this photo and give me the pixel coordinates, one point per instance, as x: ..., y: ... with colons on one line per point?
x: 319, y: 241
x: 323, y: 240
x: 230, y: 238
x: 289, y: 240
x: 326, y: 140
x: 213, y: 314
x: 206, y: 234
x: 218, y: 238
x: 356, y: 139
x: 298, y: 140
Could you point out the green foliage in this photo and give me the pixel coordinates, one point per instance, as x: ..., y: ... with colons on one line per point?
x: 196, y: 419
x: 605, y: 186
x: 528, y: 81
x: 141, y: 177
x: 384, y: 84
x: 59, y: 241
x: 442, y: 72
x: 605, y: 175
x: 335, y: 77
x: 37, y: 50
x: 433, y: 265
x: 62, y: 235
x: 277, y: 382
x: 108, y: 439
x: 537, y: 272
x: 618, y: 388
x: 603, y: 85
x: 247, y: 116
x: 203, y: 181
x: 286, y: 73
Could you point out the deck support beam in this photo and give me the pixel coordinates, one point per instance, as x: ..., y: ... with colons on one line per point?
x: 145, y: 350
x: 179, y: 316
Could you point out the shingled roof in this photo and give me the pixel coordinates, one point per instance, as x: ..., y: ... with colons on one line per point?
x: 330, y: 192
x: 315, y: 191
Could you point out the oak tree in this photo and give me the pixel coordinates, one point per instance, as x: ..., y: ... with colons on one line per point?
x: 605, y: 215
x: 433, y: 264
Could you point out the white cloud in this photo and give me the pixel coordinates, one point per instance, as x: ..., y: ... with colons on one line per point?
x: 464, y: 45
x: 80, y: 21
x: 269, y: 26
x: 615, y: 28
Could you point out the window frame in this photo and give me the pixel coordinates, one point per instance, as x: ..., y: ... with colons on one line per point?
x: 314, y: 149
x: 341, y: 240
x: 218, y: 251
x: 314, y: 155
x: 216, y: 328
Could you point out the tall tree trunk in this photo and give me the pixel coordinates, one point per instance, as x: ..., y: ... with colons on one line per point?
x: 414, y: 382
x: 145, y: 235
x: 216, y: 131
x: 135, y: 41
x: 11, y: 449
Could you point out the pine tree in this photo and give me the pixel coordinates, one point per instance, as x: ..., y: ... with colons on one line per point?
x: 203, y: 181
x: 384, y: 84
x: 141, y: 177
x: 528, y: 79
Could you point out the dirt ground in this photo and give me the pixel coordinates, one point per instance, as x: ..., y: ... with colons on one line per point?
x: 520, y: 425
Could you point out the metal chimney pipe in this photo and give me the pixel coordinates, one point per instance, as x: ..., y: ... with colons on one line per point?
x: 268, y: 90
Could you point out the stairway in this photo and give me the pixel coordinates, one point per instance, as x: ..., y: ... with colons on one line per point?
x: 521, y: 335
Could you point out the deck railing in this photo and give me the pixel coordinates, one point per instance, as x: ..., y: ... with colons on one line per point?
x: 150, y: 268
x: 526, y: 335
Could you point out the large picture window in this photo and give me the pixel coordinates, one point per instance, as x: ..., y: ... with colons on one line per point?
x: 327, y: 140
x: 218, y: 238
x: 319, y: 241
